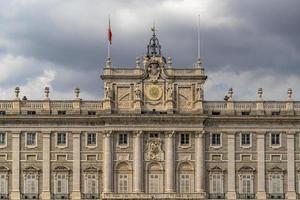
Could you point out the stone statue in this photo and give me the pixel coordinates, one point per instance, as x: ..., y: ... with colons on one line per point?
x: 170, y: 91
x: 108, y: 92
x: 137, y: 91
x: 199, y: 92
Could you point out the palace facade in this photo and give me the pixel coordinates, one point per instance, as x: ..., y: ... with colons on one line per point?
x: 153, y: 136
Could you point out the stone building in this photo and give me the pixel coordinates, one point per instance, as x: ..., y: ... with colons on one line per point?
x: 153, y: 136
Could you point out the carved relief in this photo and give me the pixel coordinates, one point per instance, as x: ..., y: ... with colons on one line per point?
x: 123, y: 96
x: 108, y: 92
x: 185, y: 98
x: 153, y: 150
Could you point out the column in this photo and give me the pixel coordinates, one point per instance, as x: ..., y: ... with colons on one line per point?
x: 15, y: 190
x: 231, y: 193
x: 261, y: 179
x: 291, y: 166
x: 138, y: 162
x: 76, y: 166
x: 200, y: 162
x: 169, y: 165
x: 46, y: 166
x: 107, y: 163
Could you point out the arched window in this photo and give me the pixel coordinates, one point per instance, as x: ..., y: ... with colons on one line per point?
x: 186, y: 177
x: 155, y: 178
x: 31, y: 183
x: 4, y: 182
x: 276, y: 177
x: 61, y: 182
x: 124, y: 172
x: 216, y: 183
x: 91, y: 186
x: 246, y: 177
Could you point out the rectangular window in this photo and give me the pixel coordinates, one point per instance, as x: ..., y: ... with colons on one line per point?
x: 246, y: 187
x: 275, y: 139
x: 2, y: 112
x: 61, y: 138
x: 61, y: 112
x: 91, y: 112
x: 123, y: 183
x: 185, y: 183
x: 276, y: 184
x: 154, y: 185
x: 91, y: 184
x: 2, y: 138
x: 123, y: 139
x: 31, y: 112
x: 184, y: 138
x: 61, y: 184
x: 245, y: 139
x: 154, y: 135
x: 91, y: 139
x: 3, y: 184
x: 217, y: 184
x: 31, y: 184
x: 31, y: 139
x: 216, y: 139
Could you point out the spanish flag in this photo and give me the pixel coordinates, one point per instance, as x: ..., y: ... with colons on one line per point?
x: 109, y: 32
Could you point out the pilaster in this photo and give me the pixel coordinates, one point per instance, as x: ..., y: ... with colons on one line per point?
x: 291, y: 193
x: 138, y: 162
x: 261, y: 176
x: 107, y: 162
x: 169, y: 162
x: 46, y: 195
x: 231, y: 194
x: 199, y: 162
x: 15, y: 189
x: 76, y: 166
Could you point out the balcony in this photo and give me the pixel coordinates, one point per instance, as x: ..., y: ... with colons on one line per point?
x: 29, y: 196
x: 216, y: 196
x: 90, y: 196
x: 4, y: 196
x: 246, y: 196
x: 60, y: 196
x: 276, y: 196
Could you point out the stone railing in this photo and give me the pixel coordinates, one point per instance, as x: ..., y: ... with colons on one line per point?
x: 153, y: 196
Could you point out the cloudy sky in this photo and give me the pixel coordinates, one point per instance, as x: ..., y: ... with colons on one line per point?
x: 63, y: 44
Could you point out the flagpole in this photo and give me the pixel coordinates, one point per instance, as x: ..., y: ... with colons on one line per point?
x: 108, y: 43
x: 198, y: 30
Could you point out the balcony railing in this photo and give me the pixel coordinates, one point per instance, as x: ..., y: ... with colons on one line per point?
x: 60, y: 196
x: 90, y: 196
x: 29, y: 196
x: 4, y: 196
x: 246, y: 196
x: 216, y: 196
x: 276, y: 196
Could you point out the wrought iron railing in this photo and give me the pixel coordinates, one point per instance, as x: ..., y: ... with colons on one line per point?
x: 216, y: 196
x: 29, y: 196
x: 60, y: 196
x: 4, y: 196
x: 90, y: 196
x: 246, y: 196
x: 276, y: 196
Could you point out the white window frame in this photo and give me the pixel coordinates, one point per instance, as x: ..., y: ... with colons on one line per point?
x: 4, y: 178
x: 31, y: 145
x: 214, y: 145
x: 245, y: 145
x: 61, y: 146
x: 271, y: 178
x: 56, y: 183
x: 221, y: 179
x: 86, y: 140
x: 241, y: 183
x: 189, y: 142
x: 5, y: 138
x: 274, y: 146
x: 122, y: 179
x: 118, y: 140
x: 185, y: 183
x: 156, y: 183
x: 87, y: 178
x: 34, y: 181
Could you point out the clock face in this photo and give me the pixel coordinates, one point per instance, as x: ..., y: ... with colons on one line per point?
x: 153, y: 92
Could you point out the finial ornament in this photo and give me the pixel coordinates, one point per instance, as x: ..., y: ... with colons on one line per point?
x: 137, y: 62
x: 230, y: 94
x: 153, y: 48
x: 108, y: 62
x: 77, y: 92
x: 170, y: 62
x: 46, y: 92
x: 289, y: 93
x: 260, y: 93
x: 17, y: 92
